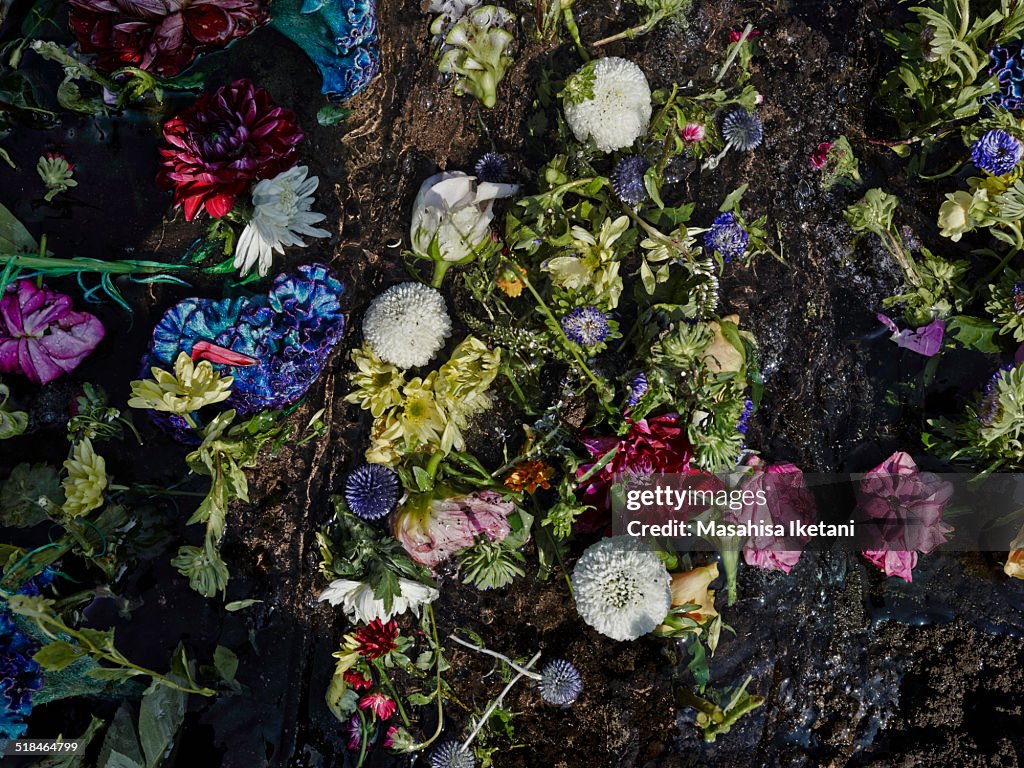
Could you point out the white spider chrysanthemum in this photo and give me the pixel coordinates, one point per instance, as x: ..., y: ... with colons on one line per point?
x: 281, y: 215
x: 357, y: 600
x: 407, y: 324
x: 608, y: 101
x: 621, y: 588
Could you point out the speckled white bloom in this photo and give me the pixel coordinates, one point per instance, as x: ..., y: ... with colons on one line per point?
x: 621, y: 588
x: 281, y: 216
x: 620, y: 109
x: 407, y: 325
x: 359, y: 604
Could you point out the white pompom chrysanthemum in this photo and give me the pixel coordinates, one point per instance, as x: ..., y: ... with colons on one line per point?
x: 621, y: 588
x: 608, y: 101
x: 407, y: 324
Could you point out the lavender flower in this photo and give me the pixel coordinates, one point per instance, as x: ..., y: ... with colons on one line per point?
x: 726, y: 237
x: 742, y: 129
x: 492, y: 167
x: 744, y: 421
x: 587, y: 326
x: 1008, y: 67
x: 451, y: 754
x: 628, y: 179
x: 372, y: 491
x: 997, y: 152
x: 989, y: 408
x: 560, y: 683
x: 636, y: 387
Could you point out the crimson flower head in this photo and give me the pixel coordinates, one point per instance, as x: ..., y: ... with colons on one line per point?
x: 376, y: 639
x: 357, y: 680
x: 382, y: 706
x: 160, y: 36
x: 217, y: 148
x: 735, y: 35
x: 819, y: 157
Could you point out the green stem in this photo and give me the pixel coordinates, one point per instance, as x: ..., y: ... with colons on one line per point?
x: 386, y: 681
x: 734, y: 52
x: 574, y: 31
x: 62, y: 267
x: 494, y: 654
x: 440, y: 269
x: 434, y: 463
x: 363, y: 738
x: 437, y: 691
x: 1002, y: 264
x: 628, y: 34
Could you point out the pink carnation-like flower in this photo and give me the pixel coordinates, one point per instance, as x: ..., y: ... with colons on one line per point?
x: 160, y: 36
x: 41, y: 336
x: 693, y: 132
x: 907, y: 505
x: 787, y: 500
x: 382, y: 706
x: 431, y: 530
x: 819, y: 157
x: 652, y: 446
x: 222, y: 144
x: 926, y: 340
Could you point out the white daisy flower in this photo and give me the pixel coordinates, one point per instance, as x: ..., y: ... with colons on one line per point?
x: 622, y: 588
x: 357, y: 600
x: 608, y: 101
x: 407, y: 325
x: 280, y: 217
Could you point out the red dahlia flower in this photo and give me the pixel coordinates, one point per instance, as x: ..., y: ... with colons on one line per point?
x: 160, y: 36
x: 376, y: 639
x: 222, y: 144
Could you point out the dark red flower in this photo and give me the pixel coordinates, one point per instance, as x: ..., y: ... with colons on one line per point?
x: 652, y: 446
x: 735, y: 35
x: 819, y: 157
x: 375, y: 639
x: 357, y: 680
x: 160, y: 36
x: 222, y: 144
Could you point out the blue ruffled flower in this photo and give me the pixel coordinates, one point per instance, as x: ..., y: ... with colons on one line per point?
x: 744, y: 421
x: 1008, y: 67
x: 628, y: 179
x: 20, y: 675
x: 726, y: 237
x: 587, y: 326
x: 997, y: 152
x: 290, y: 332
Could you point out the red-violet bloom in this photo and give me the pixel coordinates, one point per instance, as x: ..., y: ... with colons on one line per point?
x: 383, y: 707
x: 787, y: 500
x: 926, y: 340
x: 736, y: 34
x: 41, y: 336
x: 355, y: 733
x: 376, y: 639
x: 433, y: 529
x: 160, y: 36
x: 389, y: 737
x: 652, y: 446
x: 357, y: 680
x: 819, y: 157
x: 217, y: 148
x: 693, y: 132
x: 907, y: 505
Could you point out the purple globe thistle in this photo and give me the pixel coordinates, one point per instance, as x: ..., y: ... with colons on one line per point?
x: 1008, y: 67
x: 560, y: 683
x: 451, y: 754
x: 997, y: 152
x: 587, y: 326
x: 372, y: 491
x: 636, y: 387
x: 628, y: 179
x: 742, y: 129
x: 726, y: 237
x: 493, y: 167
x: 743, y: 424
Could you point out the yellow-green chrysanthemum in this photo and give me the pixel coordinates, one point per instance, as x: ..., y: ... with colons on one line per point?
x: 188, y: 389
x: 86, y: 480
x: 377, y: 385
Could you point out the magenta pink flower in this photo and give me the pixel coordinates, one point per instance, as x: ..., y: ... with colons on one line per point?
x: 819, y: 157
x: 907, y: 505
x: 652, y: 446
x: 735, y: 35
x: 389, y: 737
x: 41, y: 336
x: 355, y: 733
x: 926, y: 340
x: 693, y: 132
x: 383, y: 707
x: 432, y: 529
x: 787, y: 500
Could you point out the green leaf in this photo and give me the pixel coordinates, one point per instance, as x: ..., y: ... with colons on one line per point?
x: 238, y: 605
x: 114, y: 674
x: 14, y: 238
x: 732, y: 200
x: 57, y: 655
x: 160, y: 716
x: 423, y: 479
x: 419, y: 699
x: 974, y: 333
x: 226, y: 663
x: 332, y: 114
x: 120, y: 746
x: 27, y: 495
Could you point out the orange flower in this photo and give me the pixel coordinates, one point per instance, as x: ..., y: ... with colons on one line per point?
x: 528, y: 475
x: 510, y: 280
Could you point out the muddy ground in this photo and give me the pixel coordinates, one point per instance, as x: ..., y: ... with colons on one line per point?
x: 856, y: 671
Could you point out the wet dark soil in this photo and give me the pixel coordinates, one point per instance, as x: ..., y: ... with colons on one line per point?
x: 856, y: 670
